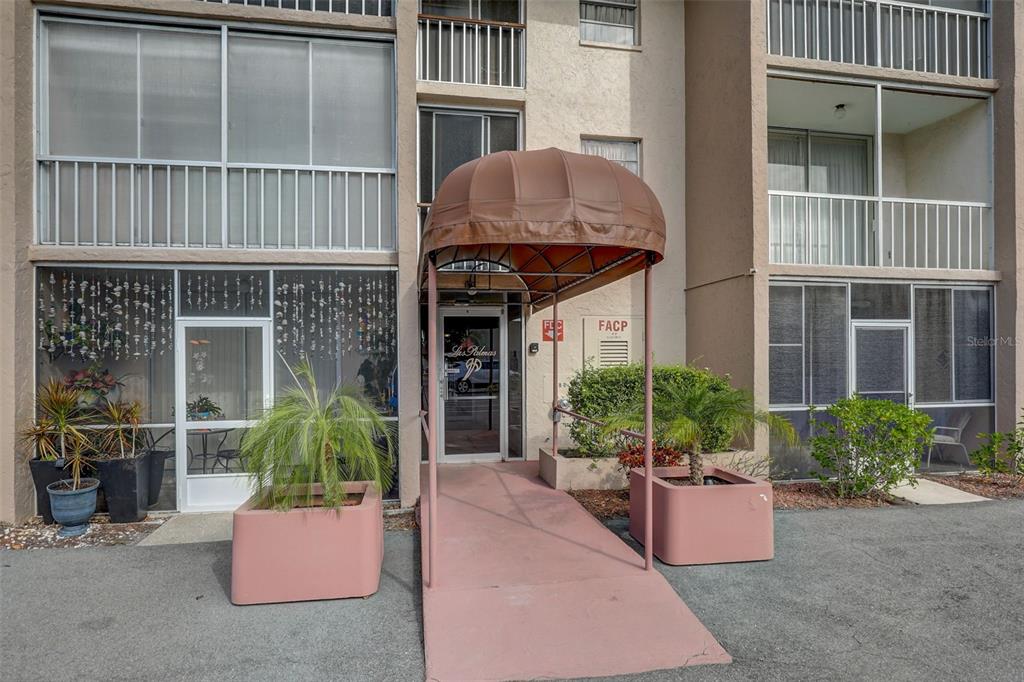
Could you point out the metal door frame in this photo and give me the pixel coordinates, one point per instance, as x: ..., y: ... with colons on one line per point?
x: 908, y: 343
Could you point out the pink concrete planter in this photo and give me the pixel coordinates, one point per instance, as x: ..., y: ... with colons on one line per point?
x: 710, y: 524
x: 307, y: 553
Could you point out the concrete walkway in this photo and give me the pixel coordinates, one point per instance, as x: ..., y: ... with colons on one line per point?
x: 183, y: 529
x: 529, y: 585
x: 930, y: 492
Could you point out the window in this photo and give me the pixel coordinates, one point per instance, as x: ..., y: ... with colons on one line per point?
x: 626, y: 153
x: 486, y: 10
x: 870, y: 301
x: 610, y: 21
x: 450, y: 138
x: 807, y: 339
x: 805, y: 161
x: 142, y: 144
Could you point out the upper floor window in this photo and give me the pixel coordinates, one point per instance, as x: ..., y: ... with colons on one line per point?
x: 379, y: 8
x: 451, y: 137
x: 626, y: 153
x: 610, y: 21
x: 806, y: 161
x: 172, y: 136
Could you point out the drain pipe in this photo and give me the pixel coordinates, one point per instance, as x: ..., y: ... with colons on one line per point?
x: 554, y: 374
x: 648, y: 420
x: 432, y: 391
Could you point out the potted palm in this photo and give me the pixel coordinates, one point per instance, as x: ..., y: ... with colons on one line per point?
x: 703, y: 514
x: 122, y: 462
x: 61, y: 444
x: 313, y: 528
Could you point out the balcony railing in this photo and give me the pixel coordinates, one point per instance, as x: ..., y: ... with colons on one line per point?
x: 110, y: 202
x: 470, y: 51
x: 376, y: 8
x: 838, y: 230
x: 886, y: 33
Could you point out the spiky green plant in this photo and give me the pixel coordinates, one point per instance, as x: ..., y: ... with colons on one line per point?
x: 306, y: 439
x: 687, y: 415
x: 58, y: 432
x: 120, y: 437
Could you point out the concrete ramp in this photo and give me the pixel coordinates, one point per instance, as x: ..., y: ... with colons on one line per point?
x: 529, y: 585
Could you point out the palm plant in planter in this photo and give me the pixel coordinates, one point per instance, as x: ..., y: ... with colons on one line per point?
x: 313, y: 528
x: 60, y: 442
x: 735, y: 518
x: 122, y: 462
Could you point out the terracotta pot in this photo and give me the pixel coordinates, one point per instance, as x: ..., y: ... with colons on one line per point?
x: 709, y: 524
x: 308, y: 553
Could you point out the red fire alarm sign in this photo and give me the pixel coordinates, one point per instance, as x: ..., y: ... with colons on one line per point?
x: 548, y: 335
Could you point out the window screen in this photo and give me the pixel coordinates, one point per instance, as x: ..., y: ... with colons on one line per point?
x: 972, y: 332
x: 626, y: 153
x: 933, y: 361
x: 786, y: 351
x: 880, y: 301
x: 826, y: 341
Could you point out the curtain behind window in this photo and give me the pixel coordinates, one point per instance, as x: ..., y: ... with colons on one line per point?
x: 787, y: 162
x: 839, y: 165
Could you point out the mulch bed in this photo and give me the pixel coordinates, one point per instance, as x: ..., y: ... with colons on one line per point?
x: 401, y: 520
x: 998, y: 486
x: 34, y: 534
x: 610, y: 504
x: 604, y: 504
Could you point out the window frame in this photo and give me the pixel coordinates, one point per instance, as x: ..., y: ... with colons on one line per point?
x: 808, y: 134
x: 634, y: 5
x: 911, y: 321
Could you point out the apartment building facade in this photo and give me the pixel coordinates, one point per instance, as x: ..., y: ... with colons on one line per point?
x: 863, y: 215
x: 197, y: 194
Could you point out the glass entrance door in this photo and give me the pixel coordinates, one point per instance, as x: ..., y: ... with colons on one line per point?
x: 474, y: 399
x: 222, y: 386
x: 881, y: 356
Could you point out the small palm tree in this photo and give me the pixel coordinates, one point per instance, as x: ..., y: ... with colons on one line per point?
x: 305, y: 439
x: 121, y: 437
x: 688, y: 415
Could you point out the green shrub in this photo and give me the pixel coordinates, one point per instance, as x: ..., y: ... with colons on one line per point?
x: 871, y: 446
x: 1001, y: 453
x: 604, y: 392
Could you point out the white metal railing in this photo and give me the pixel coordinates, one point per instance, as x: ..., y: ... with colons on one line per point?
x: 831, y: 229
x: 377, y: 8
x: 111, y: 202
x: 887, y: 33
x: 471, y: 51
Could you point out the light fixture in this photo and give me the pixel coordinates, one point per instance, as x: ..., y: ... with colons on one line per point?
x: 840, y: 111
x: 471, y: 285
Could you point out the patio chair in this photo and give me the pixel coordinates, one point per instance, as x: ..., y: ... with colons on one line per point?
x: 951, y: 435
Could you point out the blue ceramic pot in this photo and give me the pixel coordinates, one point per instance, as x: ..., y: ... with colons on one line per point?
x: 72, y: 508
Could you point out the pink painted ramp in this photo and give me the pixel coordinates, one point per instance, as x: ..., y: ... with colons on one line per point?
x: 529, y: 585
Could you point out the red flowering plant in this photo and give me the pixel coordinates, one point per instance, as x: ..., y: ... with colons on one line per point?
x: 94, y: 382
x: 662, y: 456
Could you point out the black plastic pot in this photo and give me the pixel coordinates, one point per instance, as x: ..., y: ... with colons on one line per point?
x: 157, y: 465
x: 125, y: 484
x: 45, y: 472
x: 73, y: 507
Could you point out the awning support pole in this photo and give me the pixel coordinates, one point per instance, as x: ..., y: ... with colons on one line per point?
x: 648, y: 421
x: 554, y: 375
x: 432, y: 409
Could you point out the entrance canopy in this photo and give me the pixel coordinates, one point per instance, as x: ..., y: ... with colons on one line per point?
x: 554, y: 222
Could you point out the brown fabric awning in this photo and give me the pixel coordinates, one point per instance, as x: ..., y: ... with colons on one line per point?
x: 561, y: 222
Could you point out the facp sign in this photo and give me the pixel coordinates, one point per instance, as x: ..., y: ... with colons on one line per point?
x: 613, y: 326
x: 547, y: 327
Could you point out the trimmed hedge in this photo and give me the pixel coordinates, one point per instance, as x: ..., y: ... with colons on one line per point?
x: 602, y: 392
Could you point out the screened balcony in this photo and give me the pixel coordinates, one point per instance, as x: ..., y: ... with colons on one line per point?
x: 207, y: 138
x: 949, y: 37
x: 374, y: 8
x: 908, y: 190
x: 472, y: 42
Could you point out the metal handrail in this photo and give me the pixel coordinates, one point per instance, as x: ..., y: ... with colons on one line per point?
x: 467, y: 20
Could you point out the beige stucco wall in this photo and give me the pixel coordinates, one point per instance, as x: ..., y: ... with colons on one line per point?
x: 573, y: 90
x: 946, y: 160
x: 16, y: 305
x: 726, y: 186
x: 1008, y: 48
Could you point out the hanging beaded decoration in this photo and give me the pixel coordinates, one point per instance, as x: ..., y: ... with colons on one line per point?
x: 102, y: 314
